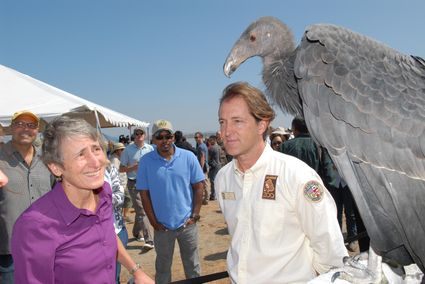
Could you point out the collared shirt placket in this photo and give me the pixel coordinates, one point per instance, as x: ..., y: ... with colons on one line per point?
x: 245, y: 217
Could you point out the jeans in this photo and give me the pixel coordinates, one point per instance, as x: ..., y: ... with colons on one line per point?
x: 187, y: 238
x: 6, y: 269
x: 211, y: 175
x: 123, y: 235
x: 344, y: 201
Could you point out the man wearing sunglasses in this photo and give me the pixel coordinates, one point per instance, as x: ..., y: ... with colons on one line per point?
x: 28, y: 178
x: 170, y: 180
x: 129, y: 164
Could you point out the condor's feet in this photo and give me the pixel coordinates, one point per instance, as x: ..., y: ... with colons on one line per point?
x: 354, y: 272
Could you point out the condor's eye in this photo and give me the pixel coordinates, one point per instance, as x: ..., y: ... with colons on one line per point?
x: 252, y: 38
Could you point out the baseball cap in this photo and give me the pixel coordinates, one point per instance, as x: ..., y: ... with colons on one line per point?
x: 25, y: 112
x: 138, y: 129
x: 160, y: 125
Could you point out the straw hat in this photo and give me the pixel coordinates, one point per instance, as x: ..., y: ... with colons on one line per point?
x: 117, y: 146
x: 281, y: 131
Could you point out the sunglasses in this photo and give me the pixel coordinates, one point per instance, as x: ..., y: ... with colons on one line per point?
x: 139, y: 133
x: 23, y: 124
x: 276, y: 143
x: 164, y: 137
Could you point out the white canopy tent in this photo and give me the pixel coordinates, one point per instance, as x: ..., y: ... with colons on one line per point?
x: 22, y: 92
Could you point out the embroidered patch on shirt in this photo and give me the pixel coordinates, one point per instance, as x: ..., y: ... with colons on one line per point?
x: 269, y: 187
x: 313, y: 191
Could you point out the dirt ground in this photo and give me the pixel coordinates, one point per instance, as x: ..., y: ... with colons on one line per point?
x: 213, y: 245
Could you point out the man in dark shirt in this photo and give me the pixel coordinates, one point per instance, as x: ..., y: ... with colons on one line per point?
x: 302, y: 145
x: 181, y: 142
x: 214, y: 154
x: 28, y: 178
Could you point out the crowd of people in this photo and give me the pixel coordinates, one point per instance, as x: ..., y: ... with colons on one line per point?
x: 64, y: 206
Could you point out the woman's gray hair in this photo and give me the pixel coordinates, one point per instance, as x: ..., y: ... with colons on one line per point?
x: 61, y: 128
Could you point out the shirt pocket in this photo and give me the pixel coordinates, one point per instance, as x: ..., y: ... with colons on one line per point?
x: 269, y: 218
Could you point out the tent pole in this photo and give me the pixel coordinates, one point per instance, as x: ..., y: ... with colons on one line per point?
x: 97, y: 121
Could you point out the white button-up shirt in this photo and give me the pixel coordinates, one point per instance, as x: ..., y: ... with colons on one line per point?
x: 281, y: 231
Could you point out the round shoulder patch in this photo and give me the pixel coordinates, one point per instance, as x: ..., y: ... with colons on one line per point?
x: 313, y: 191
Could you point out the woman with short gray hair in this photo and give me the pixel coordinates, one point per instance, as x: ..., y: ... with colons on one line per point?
x: 67, y: 236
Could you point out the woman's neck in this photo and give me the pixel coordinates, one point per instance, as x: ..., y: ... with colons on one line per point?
x: 81, y: 198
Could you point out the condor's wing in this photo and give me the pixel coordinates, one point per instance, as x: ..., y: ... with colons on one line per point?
x: 365, y: 103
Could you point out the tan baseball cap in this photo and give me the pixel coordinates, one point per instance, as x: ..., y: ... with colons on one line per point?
x: 161, y: 125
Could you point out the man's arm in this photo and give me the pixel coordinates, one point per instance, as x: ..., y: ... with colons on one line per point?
x: 201, y: 158
x: 317, y: 214
x: 147, y: 205
x: 198, y: 191
x: 125, y: 169
x: 125, y: 166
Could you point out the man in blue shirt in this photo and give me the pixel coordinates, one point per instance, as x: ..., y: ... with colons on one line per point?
x: 202, y: 154
x: 129, y: 164
x: 170, y: 180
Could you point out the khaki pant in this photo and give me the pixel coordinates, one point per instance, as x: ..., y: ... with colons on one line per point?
x: 141, y: 227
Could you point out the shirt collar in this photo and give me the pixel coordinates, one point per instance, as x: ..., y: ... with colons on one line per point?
x: 9, y: 149
x: 263, y: 159
x: 303, y: 135
x: 177, y: 152
x: 67, y: 210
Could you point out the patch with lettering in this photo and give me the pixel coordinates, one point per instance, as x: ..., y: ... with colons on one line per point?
x: 228, y: 195
x: 269, y: 187
x: 313, y: 191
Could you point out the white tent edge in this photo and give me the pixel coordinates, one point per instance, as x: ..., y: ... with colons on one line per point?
x: 18, y: 86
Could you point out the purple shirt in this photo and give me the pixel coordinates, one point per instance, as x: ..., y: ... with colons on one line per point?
x: 55, y: 242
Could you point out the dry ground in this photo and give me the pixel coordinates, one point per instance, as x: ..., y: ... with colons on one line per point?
x: 213, y: 245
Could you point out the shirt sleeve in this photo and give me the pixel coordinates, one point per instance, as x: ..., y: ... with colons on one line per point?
x: 33, y: 251
x: 117, y: 189
x: 317, y: 214
x: 124, y: 158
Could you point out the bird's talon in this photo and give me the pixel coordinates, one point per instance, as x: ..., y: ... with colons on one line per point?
x: 335, y: 276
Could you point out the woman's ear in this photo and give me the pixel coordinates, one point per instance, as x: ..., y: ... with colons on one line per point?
x: 55, y: 169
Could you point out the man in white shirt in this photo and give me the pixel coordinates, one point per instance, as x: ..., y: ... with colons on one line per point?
x: 281, y: 218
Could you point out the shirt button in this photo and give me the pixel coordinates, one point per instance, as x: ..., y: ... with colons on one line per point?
x: 104, y: 243
x: 109, y: 266
x: 97, y: 221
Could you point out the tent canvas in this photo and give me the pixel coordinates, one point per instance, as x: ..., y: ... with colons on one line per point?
x: 22, y: 92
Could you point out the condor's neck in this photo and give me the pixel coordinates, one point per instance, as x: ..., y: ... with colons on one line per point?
x: 279, y: 78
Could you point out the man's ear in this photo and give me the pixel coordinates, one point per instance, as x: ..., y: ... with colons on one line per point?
x: 262, y: 126
x: 56, y: 169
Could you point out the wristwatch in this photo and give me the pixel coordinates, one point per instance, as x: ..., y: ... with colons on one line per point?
x: 195, y: 217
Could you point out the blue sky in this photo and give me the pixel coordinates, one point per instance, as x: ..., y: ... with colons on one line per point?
x: 163, y: 59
